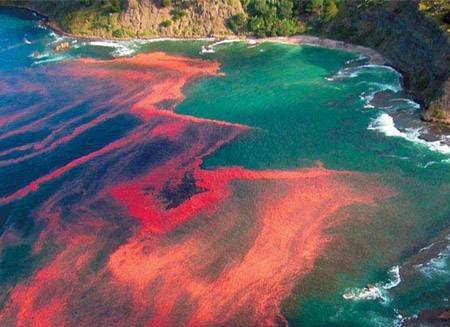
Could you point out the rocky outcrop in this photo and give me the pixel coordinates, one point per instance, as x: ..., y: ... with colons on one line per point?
x: 63, y: 46
x: 412, y: 42
x: 431, y: 318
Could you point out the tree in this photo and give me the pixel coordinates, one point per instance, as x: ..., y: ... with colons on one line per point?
x: 257, y: 26
x: 285, y: 9
x: 165, y: 23
x: 287, y: 27
x: 330, y: 10
x: 315, y: 7
x: 177, y: 13
x: 237, y: 23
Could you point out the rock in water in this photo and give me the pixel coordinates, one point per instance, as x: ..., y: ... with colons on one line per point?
x: 63, y: 46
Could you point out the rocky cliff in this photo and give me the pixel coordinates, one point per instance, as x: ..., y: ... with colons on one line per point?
x: 136, y: 18
x: 201, y: 18
x: 412, y: 42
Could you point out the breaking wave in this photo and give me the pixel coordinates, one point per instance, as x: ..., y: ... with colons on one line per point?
x: 211, y: 48
x: 377, y: 291
x: 439, y: 265
x: 385, y: 124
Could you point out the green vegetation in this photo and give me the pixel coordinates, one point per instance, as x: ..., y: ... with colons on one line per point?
x: 165, y: 23
x: 270, y: 18
x: 283, y: 17
x: 436, y: 112
x: 238, y: 23
x: 177, y: 13
x: 112, y: 6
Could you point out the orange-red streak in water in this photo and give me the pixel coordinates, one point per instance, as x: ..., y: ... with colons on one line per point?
x: 258, y: 232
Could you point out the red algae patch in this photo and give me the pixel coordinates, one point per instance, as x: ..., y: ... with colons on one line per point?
x: 288, y: 212
x: 151, y: 85
x: 167, y: 74
x: 140, y: 234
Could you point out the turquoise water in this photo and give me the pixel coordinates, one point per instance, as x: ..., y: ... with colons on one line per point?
x: 300, y: 117
x: 305, y: 105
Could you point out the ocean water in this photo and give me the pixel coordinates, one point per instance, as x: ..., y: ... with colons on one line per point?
x: 303, y: 107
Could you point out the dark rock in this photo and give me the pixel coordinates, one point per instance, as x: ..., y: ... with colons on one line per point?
x: 433, y: 318
x: 413, y: 43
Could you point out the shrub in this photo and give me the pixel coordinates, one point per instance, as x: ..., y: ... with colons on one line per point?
x: 165, y: 23
x: 177, y: 13
x: 118, y: 33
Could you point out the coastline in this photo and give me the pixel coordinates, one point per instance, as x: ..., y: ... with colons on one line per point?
x: 299, y: 39
x: 374, y: 57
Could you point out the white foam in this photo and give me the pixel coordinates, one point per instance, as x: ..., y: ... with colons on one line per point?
x: 226, y: 42
x: 108, y: 44
x: 394, y: 87
x: 128, y: 48
x: 394, y: 278
x: 375, y: 88
x: 425, y: 248
x: 399, y: 319
x: 50, y: 59
x: 382, y: 67
x: 409, y: 102
x: 438, y: 265
x: 384, y: 123
x: 378, y: 291
x: 56, y: 37
x: 355, y: 71
x: 210, y: 48
x: 368, y: 293
x: 207, y: 49
x: 359, y: 58
x: 428, y: 164
x: 39, y: 55
x: 121, y: 48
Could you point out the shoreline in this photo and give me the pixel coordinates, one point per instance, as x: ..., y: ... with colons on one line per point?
x: 373, y: 56
x: 298, y: 39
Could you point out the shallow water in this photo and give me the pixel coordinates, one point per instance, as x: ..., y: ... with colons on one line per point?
x: 304, y: 106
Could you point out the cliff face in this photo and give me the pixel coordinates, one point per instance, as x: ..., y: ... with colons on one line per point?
x: 136, y: 18
x: 410, y: 41
x: 201, y: 18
